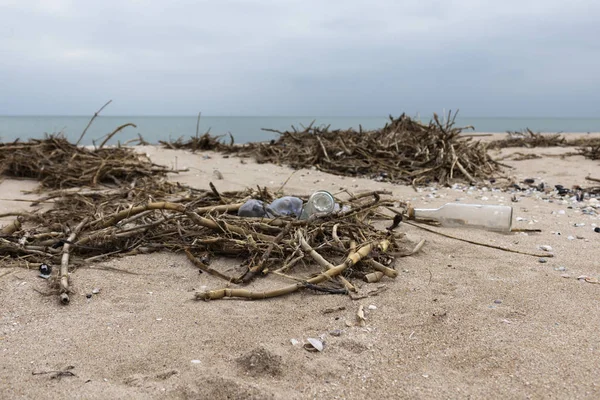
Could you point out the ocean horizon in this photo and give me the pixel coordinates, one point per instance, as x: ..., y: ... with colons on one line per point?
x: 250, y: 128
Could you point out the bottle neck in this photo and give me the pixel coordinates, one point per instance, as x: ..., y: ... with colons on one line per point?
x: 422, y: 213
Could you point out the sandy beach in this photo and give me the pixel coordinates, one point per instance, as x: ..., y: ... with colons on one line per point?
x: 459, y: 321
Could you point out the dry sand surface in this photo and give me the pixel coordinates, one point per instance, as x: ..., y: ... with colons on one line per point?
x: 460, y: 321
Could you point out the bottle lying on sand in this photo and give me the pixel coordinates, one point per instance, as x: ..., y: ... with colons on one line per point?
x: 489, y: 217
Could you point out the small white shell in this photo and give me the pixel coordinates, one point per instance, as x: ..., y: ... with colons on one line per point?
x: 316, y: 344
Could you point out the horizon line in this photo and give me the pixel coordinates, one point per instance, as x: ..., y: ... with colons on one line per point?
x: 278, y: 116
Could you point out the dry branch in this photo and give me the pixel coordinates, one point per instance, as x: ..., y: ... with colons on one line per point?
x: 64, y: 265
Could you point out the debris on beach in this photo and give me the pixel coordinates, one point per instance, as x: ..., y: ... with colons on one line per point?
x: 528, y: 138
x: 112, y: 202
x: 587, y: 147
x: 591, y: 150
x: 59, y: 164
x: 403, y: 151
x: 205, y: 142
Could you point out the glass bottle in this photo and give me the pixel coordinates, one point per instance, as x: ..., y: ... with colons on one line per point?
x: 490, y: 217
x: 319, y: 203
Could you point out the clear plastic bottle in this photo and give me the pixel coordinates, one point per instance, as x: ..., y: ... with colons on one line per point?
x: 287, y: 206
x: 253, y: 208
x: 490, y: 217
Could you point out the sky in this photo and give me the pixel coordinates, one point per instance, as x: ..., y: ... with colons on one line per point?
x: 300, y: 57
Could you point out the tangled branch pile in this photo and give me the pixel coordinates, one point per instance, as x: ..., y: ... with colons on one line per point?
x: 403, y: 151
x: 587, y: 147
x: 528, y: 138
x: 200, y: 143
x: 114, y: 205
x: 590, y: 150
x: 57, y: 163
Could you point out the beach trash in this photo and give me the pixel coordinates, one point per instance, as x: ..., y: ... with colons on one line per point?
x: 319, y: 203
x: 489, y: 217
x: 253, y: 208
x: 45, y: 271
x: 287, y: 206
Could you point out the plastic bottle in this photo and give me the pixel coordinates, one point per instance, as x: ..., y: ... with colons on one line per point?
x: 253, y: 208
x: 319, y: 203
x: 490, y: 217
x: 287, y: 206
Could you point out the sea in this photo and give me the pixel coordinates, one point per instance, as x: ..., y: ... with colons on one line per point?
x: 245, y: 129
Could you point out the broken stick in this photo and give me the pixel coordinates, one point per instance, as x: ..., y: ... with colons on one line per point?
x: 64, y: 265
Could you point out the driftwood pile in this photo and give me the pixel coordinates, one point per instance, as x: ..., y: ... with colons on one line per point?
x: 528, y: 138
x: 590, y: 150
x: 587, y: 147
x: 203, y: 142
x: 113, y: 202
x: 59, y: 164
x: 403, y: 151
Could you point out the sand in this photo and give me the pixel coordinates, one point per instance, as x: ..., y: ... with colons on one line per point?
x: 460, y: 321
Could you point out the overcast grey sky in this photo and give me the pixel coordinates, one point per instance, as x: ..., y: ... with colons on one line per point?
x: 300, y: 57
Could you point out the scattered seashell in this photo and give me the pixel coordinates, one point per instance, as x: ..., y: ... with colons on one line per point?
x: 294, y: 342
x: 95, y: 290
x: 313, y: 345
x: 372, y: 307
x: 195, y: 361
x: 546, y: 247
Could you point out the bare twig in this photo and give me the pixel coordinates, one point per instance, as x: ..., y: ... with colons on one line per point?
x: 198, y: 125
x: 477, y: 243
x: 92, y: 120
x: 109, y: 136
x: 64, y: 265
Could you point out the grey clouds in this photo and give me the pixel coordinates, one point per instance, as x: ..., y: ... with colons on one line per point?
x: 292, y: 57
